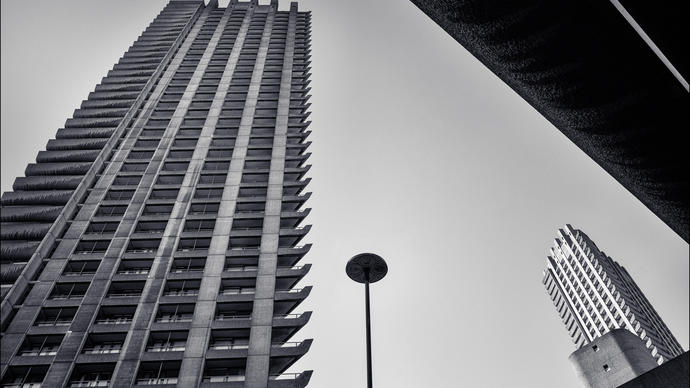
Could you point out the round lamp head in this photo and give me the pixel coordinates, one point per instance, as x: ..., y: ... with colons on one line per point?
x: 366, y: 267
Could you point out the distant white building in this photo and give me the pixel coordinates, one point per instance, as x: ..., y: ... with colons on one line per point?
x: 594, y: 295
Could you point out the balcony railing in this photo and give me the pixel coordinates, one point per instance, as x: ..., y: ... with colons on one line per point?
x: 79, y: 273
x: 63, y: 296
x: 290, y: 291
x: 237, y: 291
x: 133, y: 271
x: 178, y: 318
x: 286, y: 344
x: 248, y: 248
x: 124, y: 294
x: 102, y: 350
x: 157, y: 380
x: 46, y: 351
x: 242, y: 268
x: 222, y: 379
x: 291, y: 267
x: 187, y: 270
x: 89, y: 383
x: 284, y: 376
x: 192, y: 292
x: 229, y: 346
x: 88, y: 252
x: 172, y: 346
x: 54, y: 323
x: 287, y: 316
x: 141, y: 250
x: 192, y: 249
x: 21, y: 383
x: 229, y: 317
x: 224, y: 317
x: 114, y: 321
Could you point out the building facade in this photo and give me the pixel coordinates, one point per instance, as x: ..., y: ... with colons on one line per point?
x: 595, y: 295
x: 155, y: 240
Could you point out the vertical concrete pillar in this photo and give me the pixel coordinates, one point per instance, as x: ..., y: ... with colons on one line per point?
x: 206, y: 302
x: 197, y: 340
x: 258, y: 360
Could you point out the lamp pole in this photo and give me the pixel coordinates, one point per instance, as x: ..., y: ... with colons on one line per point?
x: 367, y: 268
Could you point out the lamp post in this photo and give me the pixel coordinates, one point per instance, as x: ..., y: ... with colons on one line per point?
x: 367, y: 268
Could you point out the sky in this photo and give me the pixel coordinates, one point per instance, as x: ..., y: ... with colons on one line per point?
x: 421, y: 155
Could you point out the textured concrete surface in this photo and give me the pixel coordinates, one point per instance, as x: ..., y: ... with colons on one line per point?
x: 596, y: 81
x: 674, y: 373
x: 611, y: 360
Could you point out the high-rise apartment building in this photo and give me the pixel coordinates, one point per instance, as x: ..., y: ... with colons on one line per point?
x: 595, y: 295
x: 154, y: 241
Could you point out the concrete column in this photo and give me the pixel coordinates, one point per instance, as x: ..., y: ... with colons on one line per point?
x: 204, y: 312
x: 258, y: 360
x: 197, y: 340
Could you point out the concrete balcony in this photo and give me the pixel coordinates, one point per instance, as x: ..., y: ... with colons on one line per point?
x: 287, y: 300
x: 292, y: 219
x: 290, y: 256
x: 289, y: 237
x: 289, y: 323
x: 285, y: 380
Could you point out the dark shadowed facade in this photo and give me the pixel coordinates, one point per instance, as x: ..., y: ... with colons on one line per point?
x: 155, y: 240
x: 672, y: 374
x: 586, y: 70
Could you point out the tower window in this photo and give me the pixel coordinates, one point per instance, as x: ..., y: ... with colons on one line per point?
x: 115, y: 315
x: 59, y: 316
x: 42, y: 345
x: 91, y: 375
x: 154, y: 373
x: 24, y: 376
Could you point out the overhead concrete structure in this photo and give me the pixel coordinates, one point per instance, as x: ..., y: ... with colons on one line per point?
x: 155, y: 241
x: 672, y: 374
x: 595, y: 295
x: 605, y: 79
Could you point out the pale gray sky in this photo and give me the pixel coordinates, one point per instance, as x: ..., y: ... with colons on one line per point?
x: 420, y: 154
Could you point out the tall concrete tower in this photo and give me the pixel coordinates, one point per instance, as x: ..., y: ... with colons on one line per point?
x: 155, y: 241
x: 597, y: 299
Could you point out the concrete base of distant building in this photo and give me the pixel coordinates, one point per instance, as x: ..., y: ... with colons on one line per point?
x: 612, y: 359
x: 674, y: 373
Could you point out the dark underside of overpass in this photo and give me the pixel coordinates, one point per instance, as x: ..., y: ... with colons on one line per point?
x: 585, y: 69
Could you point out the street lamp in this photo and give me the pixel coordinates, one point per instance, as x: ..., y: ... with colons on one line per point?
x: 367, y: 268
